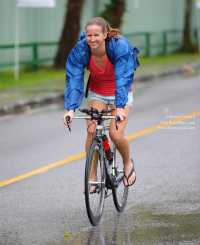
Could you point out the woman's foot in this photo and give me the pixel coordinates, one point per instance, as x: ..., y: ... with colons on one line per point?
x: 129, y: 173
x: 92, y: 187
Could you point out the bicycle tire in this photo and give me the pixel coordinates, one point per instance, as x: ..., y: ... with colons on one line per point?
x: 120, y: 192
x: 95, y: 168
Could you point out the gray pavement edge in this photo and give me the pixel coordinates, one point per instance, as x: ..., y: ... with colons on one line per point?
x: 21, y: 105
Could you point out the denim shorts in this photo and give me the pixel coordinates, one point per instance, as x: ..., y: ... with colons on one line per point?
x: 108, y: 100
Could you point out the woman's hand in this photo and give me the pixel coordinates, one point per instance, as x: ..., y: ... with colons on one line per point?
x: 70, y: 113
x: 121, y: 114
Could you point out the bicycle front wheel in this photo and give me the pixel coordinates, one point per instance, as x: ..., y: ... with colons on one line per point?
x: 95, y: 182
x: 120, y: 192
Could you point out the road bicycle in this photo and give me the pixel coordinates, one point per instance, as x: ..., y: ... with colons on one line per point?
x: 104, y: 167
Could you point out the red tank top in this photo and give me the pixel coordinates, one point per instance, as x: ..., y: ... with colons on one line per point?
x: 102, y: 80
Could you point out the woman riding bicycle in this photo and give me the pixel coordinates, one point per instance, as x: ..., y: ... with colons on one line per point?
x: 111, y: 61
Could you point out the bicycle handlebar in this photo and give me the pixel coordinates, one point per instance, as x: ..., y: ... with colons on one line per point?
x: 95, y: 111
x: 98, y: 116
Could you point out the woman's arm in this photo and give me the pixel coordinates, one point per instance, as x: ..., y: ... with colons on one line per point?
x: 124, y: 72
x: 75, y: 77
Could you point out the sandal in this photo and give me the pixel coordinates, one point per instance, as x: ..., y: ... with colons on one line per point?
x: 91, y: 192
x: 132, y: 171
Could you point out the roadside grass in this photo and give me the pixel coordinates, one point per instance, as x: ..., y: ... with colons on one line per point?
x: 28, y: 77
x: 163, y: 63
x: 171, y: 58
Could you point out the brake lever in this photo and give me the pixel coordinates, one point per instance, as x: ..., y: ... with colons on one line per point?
x: 117, y: 119
x: 67, y: 120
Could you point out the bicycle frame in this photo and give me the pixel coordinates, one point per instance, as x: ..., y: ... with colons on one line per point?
x: 99, y: 129
x: 113, y: 170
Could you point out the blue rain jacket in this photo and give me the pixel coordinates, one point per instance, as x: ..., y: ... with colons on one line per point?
x: 120, y: 53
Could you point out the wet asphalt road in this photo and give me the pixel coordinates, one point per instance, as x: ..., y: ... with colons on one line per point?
x: 163, y: 205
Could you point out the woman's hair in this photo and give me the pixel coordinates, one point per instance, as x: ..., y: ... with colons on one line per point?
x: 111, y: 33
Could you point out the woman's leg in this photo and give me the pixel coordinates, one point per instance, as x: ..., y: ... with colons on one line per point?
x: 122, y: 144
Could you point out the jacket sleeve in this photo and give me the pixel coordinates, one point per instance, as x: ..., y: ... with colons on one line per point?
x: 124, y: 72
x: 74, y: 78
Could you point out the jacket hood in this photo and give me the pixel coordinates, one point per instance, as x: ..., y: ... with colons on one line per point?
x: 82, y: 37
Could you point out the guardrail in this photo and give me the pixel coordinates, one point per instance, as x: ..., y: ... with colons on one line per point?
x: 164, y: 45
x: 36, y: 61
x: 35, y: 56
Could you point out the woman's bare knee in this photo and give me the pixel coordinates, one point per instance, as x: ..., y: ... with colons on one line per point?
x: 117, y: 138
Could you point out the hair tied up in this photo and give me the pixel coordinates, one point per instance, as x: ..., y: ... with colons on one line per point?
x: 111, y: 32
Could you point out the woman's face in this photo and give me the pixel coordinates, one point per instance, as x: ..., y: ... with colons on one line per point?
x: 95, y: 37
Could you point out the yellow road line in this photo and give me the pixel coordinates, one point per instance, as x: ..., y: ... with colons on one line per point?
x: 40, y: 170
x: 81, y: 155
x: 188, y: 68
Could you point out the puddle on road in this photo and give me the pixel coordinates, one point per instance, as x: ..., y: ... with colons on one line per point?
x: 142, y: 228
x: 165, y: 229
x: 124, y: 229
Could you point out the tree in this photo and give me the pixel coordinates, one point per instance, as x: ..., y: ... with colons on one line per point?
x: 70, y: 32
x: 113, y: 12
x: 187, y: 43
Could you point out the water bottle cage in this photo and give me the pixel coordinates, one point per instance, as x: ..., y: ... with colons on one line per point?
x: 108, y: 155
x: 110, y: 160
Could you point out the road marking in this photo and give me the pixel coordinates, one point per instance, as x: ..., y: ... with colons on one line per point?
x: 81, y: 155
x: 188, y: 68
x: 40, y: 170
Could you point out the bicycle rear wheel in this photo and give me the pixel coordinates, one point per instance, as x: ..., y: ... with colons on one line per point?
x: 95, y: 183
x: 120, y: 192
